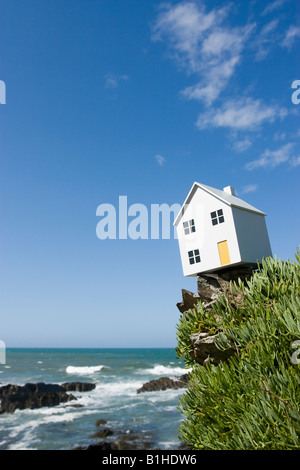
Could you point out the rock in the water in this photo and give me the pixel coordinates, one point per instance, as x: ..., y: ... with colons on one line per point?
x: 164, y: 383
x: 78, y: 386
x: 32, y: 396
x: 100, y: 421
x: 120, y: 441
x: 105, y: 432
x: 99, y: 446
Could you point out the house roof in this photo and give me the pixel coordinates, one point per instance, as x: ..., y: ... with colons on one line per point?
x: 223, y: 196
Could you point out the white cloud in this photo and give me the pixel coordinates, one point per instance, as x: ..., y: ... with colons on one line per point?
x: 221, y: 40
x: 273, y: 6
x: 209, y: 88
x: 295, y: 161
x: 242, y: 145
x: 183, y: 26
x: 279, y: 136
x: 243, y: 114
x: 291, y: 35
x: 160, y: 160
x: 250, y: 188
x: 201, y: 44
x: 113, y: 81
x: 273, y: 158
x: 265, y: 39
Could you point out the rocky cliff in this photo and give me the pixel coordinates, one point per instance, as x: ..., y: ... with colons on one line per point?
x: 210, y: 287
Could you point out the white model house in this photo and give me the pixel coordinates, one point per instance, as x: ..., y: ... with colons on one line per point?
x: 217, y: 230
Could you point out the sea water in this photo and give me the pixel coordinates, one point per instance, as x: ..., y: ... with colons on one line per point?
x: 117, y: 374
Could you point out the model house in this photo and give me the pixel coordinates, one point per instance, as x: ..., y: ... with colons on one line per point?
x: 217, y: 230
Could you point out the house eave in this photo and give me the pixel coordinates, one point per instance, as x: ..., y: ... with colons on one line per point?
x: 206, y: 189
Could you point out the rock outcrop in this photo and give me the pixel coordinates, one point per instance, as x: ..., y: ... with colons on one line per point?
x: 189, y: 300
x: 210, y: 287
x: 78, y: 386
x: 205, y: 349
x: 38, y: 395
x: 164, y: 383
x: 118, y: 440
x: 121, y: 443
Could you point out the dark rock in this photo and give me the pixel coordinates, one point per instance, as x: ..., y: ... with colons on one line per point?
x: 122, y: 442
x: 189, y: 300
x: 99, y: 422
x: 78, y: 386
x: 75, y: 405
x: 210, y: 286
x: 164, y: 383
x: 105, y: 432
x: 128, y: 441
x: 205, y: 350
x: 128, y: 437
x: 99, y: 446
x: 243, y: 273
x: 32, y: 396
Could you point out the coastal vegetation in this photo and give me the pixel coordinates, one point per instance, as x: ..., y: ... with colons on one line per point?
x: 249, y: 400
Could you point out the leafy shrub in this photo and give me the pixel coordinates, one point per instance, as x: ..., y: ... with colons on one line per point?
x: 251, y: 401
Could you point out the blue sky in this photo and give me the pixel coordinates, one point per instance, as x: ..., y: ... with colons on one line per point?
x: 140, y: 99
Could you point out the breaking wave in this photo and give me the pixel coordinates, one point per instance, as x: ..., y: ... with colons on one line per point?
x: 163, y: 370
x: 85, y: 370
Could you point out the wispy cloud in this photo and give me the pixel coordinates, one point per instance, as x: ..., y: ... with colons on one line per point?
x: 274, y: 6
x: 279, y: 136
x: 291, y: 35
x: 113, y: 81
x: 242, y: 145
x: 273, y: 158
x: 295, y: 161
x: 250, y: 188
x: 242, y: 115
x: 203, y: 45
x: 160, y: 160
x: 265, y: 39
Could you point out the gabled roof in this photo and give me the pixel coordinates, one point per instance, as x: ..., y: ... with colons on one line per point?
x: 223, y: 196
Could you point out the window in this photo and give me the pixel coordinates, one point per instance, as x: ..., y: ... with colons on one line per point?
x: 217, y: 217
x: 194, y: 256
x: 189, y: 227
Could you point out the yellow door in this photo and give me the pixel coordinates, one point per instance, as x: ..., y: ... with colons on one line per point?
x: 224, y: 253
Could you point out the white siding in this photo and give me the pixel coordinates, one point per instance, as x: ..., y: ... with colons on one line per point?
x: 253, y: 236
x: 207, y: 236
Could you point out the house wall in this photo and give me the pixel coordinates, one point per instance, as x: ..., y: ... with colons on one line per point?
x: 253, y: 236
x: 207, y: 236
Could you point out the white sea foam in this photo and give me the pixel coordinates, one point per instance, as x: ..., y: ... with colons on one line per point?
x: 163, y: 370
x: 29, y: 428
x: 26, y: 443
x: 162, y: 396
x: 85, y: 370
x: 115, y: 398
x: 118, y: 389
x: 52, y: 415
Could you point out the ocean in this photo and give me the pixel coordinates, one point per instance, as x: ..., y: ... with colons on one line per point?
x: 117, y: 373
